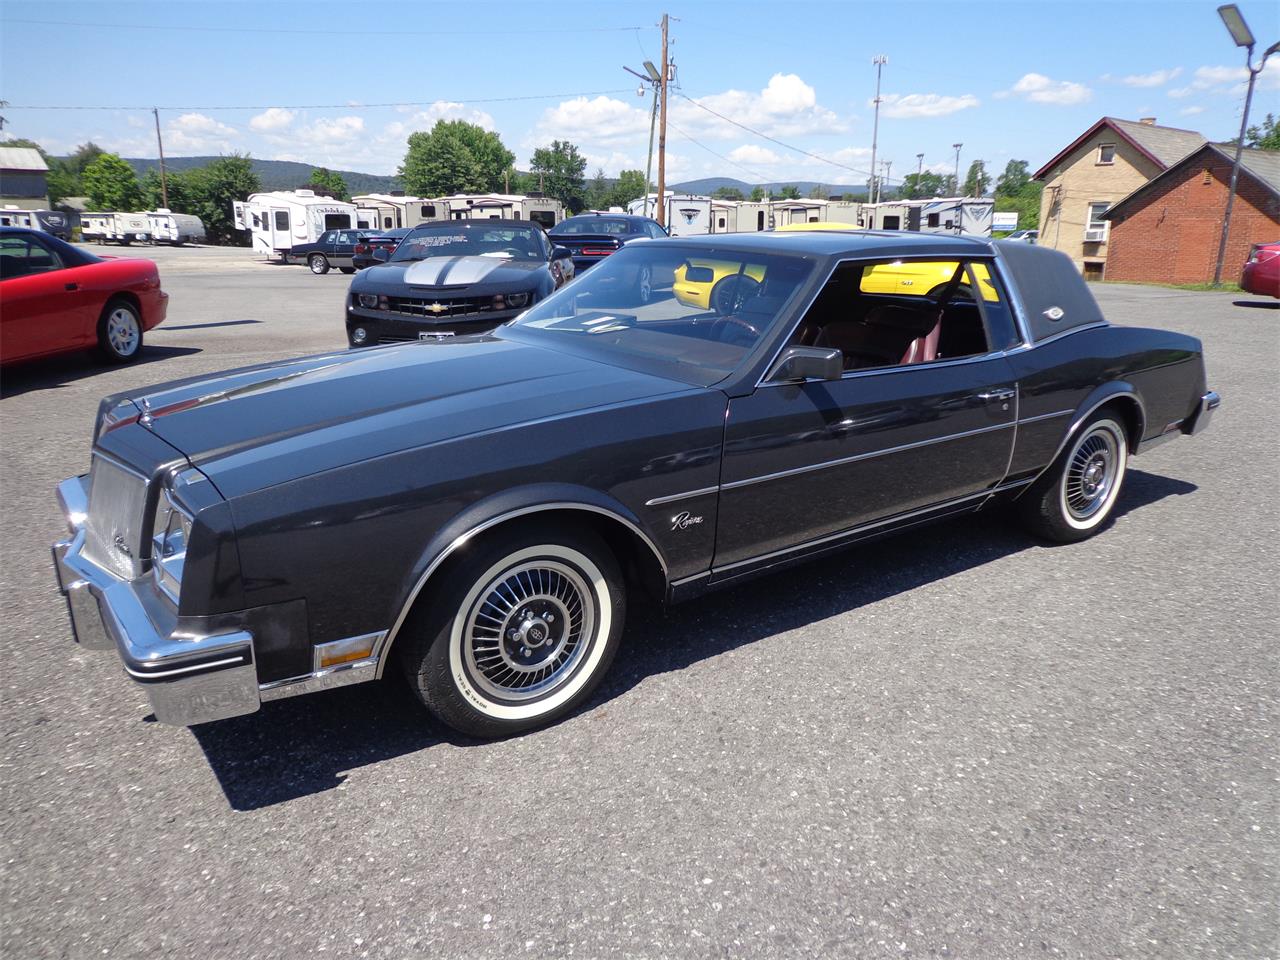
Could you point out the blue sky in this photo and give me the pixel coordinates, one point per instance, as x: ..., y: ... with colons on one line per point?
x: 1008, y: 80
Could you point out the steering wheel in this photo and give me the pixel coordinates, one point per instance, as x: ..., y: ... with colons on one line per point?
x: 734, y: 330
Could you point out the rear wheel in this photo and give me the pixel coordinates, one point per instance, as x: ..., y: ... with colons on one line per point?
x: 1077, y: 494
x: 318, y: 264
x: 518, y: 634
x: 120, y: 332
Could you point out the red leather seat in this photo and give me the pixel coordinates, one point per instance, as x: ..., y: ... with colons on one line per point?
x: 886, y: 336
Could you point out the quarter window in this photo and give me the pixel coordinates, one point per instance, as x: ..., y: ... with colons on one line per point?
x: 23, y: 256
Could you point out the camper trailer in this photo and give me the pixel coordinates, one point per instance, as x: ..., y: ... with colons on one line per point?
x: 175, y: 228
x: 687, y: 215
x: 53, y: 222
x: 843, y: 211
x: 952, y: 215
x: 786, y: 212
x: 122, y: 228
x: 395, y: 210
x: 504, y: 206
x: 280, y: 219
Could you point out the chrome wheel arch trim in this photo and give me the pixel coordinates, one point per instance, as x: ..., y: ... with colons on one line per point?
x: 1086, y: 410
x: 471, y: 533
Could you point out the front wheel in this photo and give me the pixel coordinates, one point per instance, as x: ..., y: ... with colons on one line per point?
x: 318, y: 264
x: 1077, y: 494
x: 519, y: 634
x: 119, y: 332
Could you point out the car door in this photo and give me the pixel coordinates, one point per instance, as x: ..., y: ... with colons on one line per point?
x: 344, y: 248
x: 818, y: 460
x: 46, y: 308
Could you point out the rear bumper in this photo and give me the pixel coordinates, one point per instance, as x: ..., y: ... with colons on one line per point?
x: 189, y: 678
x: 1198, y: 420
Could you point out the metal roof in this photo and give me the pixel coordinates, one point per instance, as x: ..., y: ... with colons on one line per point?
x: 21, y: 158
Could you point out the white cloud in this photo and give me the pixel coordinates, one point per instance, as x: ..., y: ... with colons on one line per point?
x: 331, y: 130
x: 786, y: 107
x: 1227, y: 80
x: 912, y: 105
x: 273, y: 118
x: 440, y: 110
x: 1157, y: 78
x: 1038, y: 88
x: 1190, y: 111
x: 197, y: 132
x: 597, y: 121
x: 750, y: 154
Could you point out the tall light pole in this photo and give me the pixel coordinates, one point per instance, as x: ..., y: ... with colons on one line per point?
x: 888, y: 165
x: 662, y: 131
x: 956, y: 147
x: 919, y: 172
x: 164, y: 181
x: 1243, y: 37
x: 653, y: 78
x: 879, y: 62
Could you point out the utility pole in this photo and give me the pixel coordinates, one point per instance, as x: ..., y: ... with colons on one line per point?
x: 888, y: 165
x: 879, y: 62
x: 956, y: 147
x: 662, y: 132
x: 653, y: 79
x: 164, y: 180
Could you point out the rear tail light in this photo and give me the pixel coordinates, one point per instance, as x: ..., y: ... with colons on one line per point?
x: 597, y: 251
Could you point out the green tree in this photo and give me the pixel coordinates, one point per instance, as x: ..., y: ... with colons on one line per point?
x: 1264, y: 137
x: 978, y: 180
x: 789, y: 192
x: 111, y: 184
x: 819, y: 192
x: 727, y: 193
x: 920, y: 186
x: 561, y: 168
x: 181, y: 189
x: 757, y: 194
x: 455, y: 157
x: 327, y: 183
x: 1015, y: 177
x: 598, y: 194
x: 629, y: 186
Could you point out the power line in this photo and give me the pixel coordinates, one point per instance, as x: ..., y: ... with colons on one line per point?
x: 342, y: 33
x: 327, y: 106
x: 765, y: 136
x: 697, y: 143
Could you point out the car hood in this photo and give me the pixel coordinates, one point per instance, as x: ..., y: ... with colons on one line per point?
x: 261, y: 426
x: 446, y: 272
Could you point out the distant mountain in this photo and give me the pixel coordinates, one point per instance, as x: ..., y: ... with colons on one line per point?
x: 708, y: 185
x: 276, y: 174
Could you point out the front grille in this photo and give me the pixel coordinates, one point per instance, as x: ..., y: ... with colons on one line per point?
x: 113, y: 531
x: 432, y: 308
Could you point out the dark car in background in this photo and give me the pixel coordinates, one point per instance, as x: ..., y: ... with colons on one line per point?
x: 335, y: 248
x: 590, y: 237
x: 454, y: 277
x: 1262, y: 272
x: 377, y: 248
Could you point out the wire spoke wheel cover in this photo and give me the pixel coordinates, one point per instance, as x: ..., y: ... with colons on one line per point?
x: 123, y: 333
x: 529, y: 634
x: 1092, y: 474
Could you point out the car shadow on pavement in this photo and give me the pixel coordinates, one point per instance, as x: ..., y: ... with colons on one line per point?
x: 298, y: 747
x: 1258, y: 304
x: 60, y: 371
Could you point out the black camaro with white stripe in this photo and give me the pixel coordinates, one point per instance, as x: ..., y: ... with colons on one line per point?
x: 452, y: 278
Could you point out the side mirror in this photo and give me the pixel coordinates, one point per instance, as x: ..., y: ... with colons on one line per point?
x: 560, y: 253
x: 694, y: 274
x: 807, y: 363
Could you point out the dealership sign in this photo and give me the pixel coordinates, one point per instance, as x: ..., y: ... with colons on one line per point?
x: 1004, y: 221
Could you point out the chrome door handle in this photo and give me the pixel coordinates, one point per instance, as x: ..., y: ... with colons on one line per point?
x: 998, y: 395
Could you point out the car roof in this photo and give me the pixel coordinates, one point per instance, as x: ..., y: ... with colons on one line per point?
x: 608, y: 216
x: 843, y: 243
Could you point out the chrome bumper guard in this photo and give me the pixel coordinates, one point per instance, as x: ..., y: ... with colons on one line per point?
x: 1203, y: 414
x: 189, y: 678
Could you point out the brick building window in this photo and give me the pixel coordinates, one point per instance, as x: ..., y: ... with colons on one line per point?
x: 1106, y: 153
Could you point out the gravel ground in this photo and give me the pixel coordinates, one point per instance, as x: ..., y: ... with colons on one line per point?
x: 958, y: 743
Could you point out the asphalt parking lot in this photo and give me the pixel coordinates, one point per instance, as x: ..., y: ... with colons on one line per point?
x: 959, y: 743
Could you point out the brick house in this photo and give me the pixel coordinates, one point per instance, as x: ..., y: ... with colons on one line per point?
x: 1104, y: 164
x: 1168, y: 230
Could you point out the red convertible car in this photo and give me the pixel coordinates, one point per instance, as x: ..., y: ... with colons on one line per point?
x: 56, y: 298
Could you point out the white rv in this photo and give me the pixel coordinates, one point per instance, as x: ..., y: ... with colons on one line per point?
x: 394, y: 210
x: 122, y: 228
x: 175, y: 228
x: 504, y: 206
x: 953, y: 215
x: 54, y: 222
x: 687, y: 215
x: 284, y: 218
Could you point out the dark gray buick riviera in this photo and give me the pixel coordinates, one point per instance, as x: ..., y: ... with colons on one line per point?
x: 478, y: 512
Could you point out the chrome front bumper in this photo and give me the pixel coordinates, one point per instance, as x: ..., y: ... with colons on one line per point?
x: 189, y: 678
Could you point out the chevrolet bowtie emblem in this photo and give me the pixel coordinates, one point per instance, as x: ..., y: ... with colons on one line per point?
x: 437, y: 308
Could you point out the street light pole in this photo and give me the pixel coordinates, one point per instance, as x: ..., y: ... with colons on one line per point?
x: 1243, y: 37
x: 872, y: 193
x: 956, y: 182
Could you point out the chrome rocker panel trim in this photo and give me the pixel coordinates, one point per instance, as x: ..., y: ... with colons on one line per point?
x: 189, y: 679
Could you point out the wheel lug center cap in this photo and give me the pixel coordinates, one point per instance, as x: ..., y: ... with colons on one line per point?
x: 534, y: 632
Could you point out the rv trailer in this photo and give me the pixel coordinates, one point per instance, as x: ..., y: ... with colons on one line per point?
x: 951, y: 215
x: 687, y: 215
x: 175, y: 228
x: 396, y: 210
x: 281, y: 219
x: 114, y: 227
x: 546, y: 211
x: 53, y: 222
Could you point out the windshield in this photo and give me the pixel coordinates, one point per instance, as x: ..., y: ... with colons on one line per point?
x: 692, y: 313
x: 474, y: 238
x: 594, y: 226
